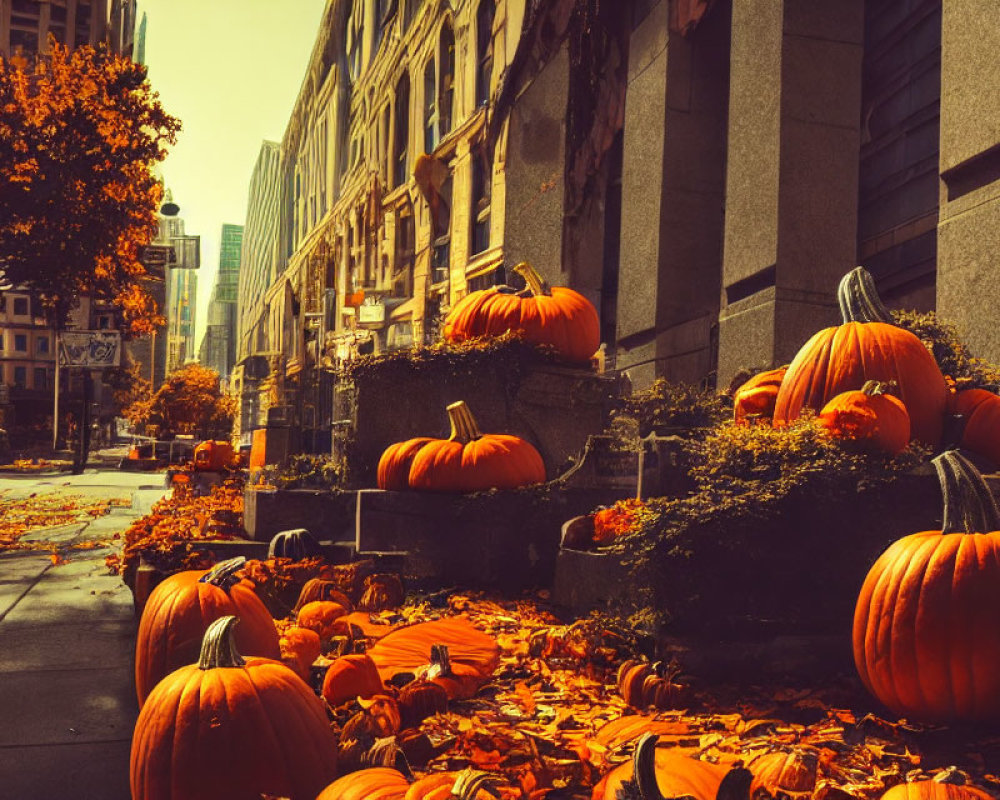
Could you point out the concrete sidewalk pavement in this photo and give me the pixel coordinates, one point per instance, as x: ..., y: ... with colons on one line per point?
x: 67, y: 639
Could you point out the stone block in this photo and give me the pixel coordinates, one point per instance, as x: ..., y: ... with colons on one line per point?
x: 822, y: 80
x: 829, y: 20
x: 327, y: 515
x: 586, y: 581
x: 746, y: 335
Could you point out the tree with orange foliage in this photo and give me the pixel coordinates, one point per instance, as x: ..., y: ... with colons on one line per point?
x: 79, y: 134
x: 189, y: 401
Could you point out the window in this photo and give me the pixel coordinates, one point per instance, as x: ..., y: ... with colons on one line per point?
x: 3, y: 303
x: 385, y: 11
x: 482, y: 174
x: 42, y: 344
x: 355, y: 34
x: 20, y: 377
x: 446, y: 80
x: 484, y: 50
x: 21, y: 306
x: 430, y: 108
x: 104, y: 322
x: 402, y: 277
x: 402, y: 132
x: 412, y: 7
x: 41, y: 378
x: 441, y: 219
x: 384, y: 148
x: 20, y: 343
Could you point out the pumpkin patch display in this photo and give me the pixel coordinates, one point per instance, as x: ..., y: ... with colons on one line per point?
x: 349, y: 677
x: 642, y: 685
x: 469, y: 784
x: 198, y: 735
x: 300, y: 647
x: 555, y: 316
x: 421, y: 699
x: 382, y: 591
x: 926, y: 634
x: 951, y: 784
x: 320, y: 589
x: 467, y: 461
x: 374, y: 783
x: 755, y: 399
x: 980, y: 412
x: 865, y: 347
x: 179, y: 611
x: 321, y: 616
x: 869, y: 415
x: 782, y: 772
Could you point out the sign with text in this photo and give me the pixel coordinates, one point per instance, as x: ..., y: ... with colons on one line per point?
x: 93, y: 349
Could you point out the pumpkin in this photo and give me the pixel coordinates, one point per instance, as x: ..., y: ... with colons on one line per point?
x: 320, y: 589
x: 421, y: 699
x: 980, y: 411
x: 642, y: 685
x: 196, y: 736
x: 755, y: 399
x: 349, y: 677
x: 865, y: 347
x: 471, y: 461
x: 297, y: 544
x: 393, y: 472
x: 926, y: 633
x: 375, y: 783
x: 300, y: 647
x: 179, y: 611
x: 381, y: 592
x: 869, y: 415
x: 472, y: 655
x: 321, y: 616
x: 469, y: 784
x: 655, y: 774
x: 617, y: 733
x: 555, y: 316
x: 620, y: 519
x: 780, y: 772
x: 950, y: 784
x: 365, y: 737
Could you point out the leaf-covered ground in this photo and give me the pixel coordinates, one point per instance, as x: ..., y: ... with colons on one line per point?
x: 36, y: 512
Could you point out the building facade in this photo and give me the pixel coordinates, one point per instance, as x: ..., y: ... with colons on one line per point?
x: 181, y: 292
x: 218, y: 346
x: 25, y: 25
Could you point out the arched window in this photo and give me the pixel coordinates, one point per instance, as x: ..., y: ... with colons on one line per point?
x: 400, y: 147
x: 446, y: 79
x: 354, y: 38
x: 484, y: 50
x: 430, y: 108
x: 482, y: 191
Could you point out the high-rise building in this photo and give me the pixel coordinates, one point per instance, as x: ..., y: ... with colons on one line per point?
x: 218, y: 346
x: 25, y: 25
x: 181, y: 293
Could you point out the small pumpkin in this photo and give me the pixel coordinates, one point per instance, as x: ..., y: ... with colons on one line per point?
x: 870, y: 415
x: 349, y: 677
x: 382, y: 591
x: 175, y: 756
x: 980, y: 412
x: 867, y: 346
x: 949, y: 784
x: 558, y: 317
x: 785, y: 772
x: 321, y: 616
x: 925, y: 635
x: 374, y: 783
x: 620, y: 519
x: 421, y: 699
x: 642, y: 685
x: 655, y: 774
x: 471, y: 461
x: 300, y: 647
x: 320, y: 589
x: 755, y: 399
x: 365, y: 736
x: 469, y: 784
x: 179, y: 611
x: 297, y: 544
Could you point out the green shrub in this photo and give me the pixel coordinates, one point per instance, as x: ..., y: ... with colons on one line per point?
x: 950, y: 351
x: 305, y: 471
x: 666, y: 408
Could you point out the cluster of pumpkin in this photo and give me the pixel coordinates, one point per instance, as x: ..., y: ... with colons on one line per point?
x: 845, y: 374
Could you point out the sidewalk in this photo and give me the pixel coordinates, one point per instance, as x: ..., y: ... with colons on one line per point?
x: 67, y: 638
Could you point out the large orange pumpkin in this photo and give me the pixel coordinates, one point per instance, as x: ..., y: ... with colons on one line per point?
x: 229, y: 727
x: 467, y: 461
x: 469, y: 784
x: 555, y: 316
x: 374, y: 783
x: 926, y: 630
x: 951, y: 784
x: 868, y: 415
x: 866, y: 347
x: 785, y: 773
x: 349, y: 677
x: 179, y: 612
x: 755, y: 399
x: 980, y: 412
x: 655, y: 774
x: 394, y: 466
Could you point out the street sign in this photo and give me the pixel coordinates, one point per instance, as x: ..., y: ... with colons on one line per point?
x: 93, y: 349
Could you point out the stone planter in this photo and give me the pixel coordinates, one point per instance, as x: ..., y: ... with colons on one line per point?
x: 328, y: 516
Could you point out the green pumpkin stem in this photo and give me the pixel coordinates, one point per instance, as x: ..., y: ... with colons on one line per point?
x: 875, y: 388
x: 470, y: 782
x: 859, y: 300
x: 969, y: 505
x: 218, y: 646
x: 441, y: 659
x: 644, y: 768
x: 536, y: 283
x: 463, y: 425
x: 223, y: 574
x: 951, y: 775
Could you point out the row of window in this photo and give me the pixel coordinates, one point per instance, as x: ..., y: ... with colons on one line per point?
x: 42, y: 378
x: 18, y: 343
x: 20, y: 306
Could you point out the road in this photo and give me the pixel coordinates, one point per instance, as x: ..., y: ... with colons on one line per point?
x: 67, y: 638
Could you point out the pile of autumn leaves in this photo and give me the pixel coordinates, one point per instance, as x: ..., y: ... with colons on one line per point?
x: 19, y: 516
x: 535, y: 703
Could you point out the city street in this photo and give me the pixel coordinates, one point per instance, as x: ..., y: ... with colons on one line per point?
x: 66, y: 644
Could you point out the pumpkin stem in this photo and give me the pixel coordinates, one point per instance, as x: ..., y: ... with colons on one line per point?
x: 969, y: 505
x: 470, y: 782
x: 875, y: 388
x: 218, y: 647
x: 859, y: 300
x: 223, y: 574
x: 536, y: 283
x: 386, y: 752
x: 463, y: 425
x: 952, y: 775
x: 440, y: 661
x: 643, y: 785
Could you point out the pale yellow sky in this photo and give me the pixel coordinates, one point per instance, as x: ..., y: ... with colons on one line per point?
x: 230, y: 70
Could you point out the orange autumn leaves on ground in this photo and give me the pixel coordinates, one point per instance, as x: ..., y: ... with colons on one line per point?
x: 20, y: 516
x: 79, y: 134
